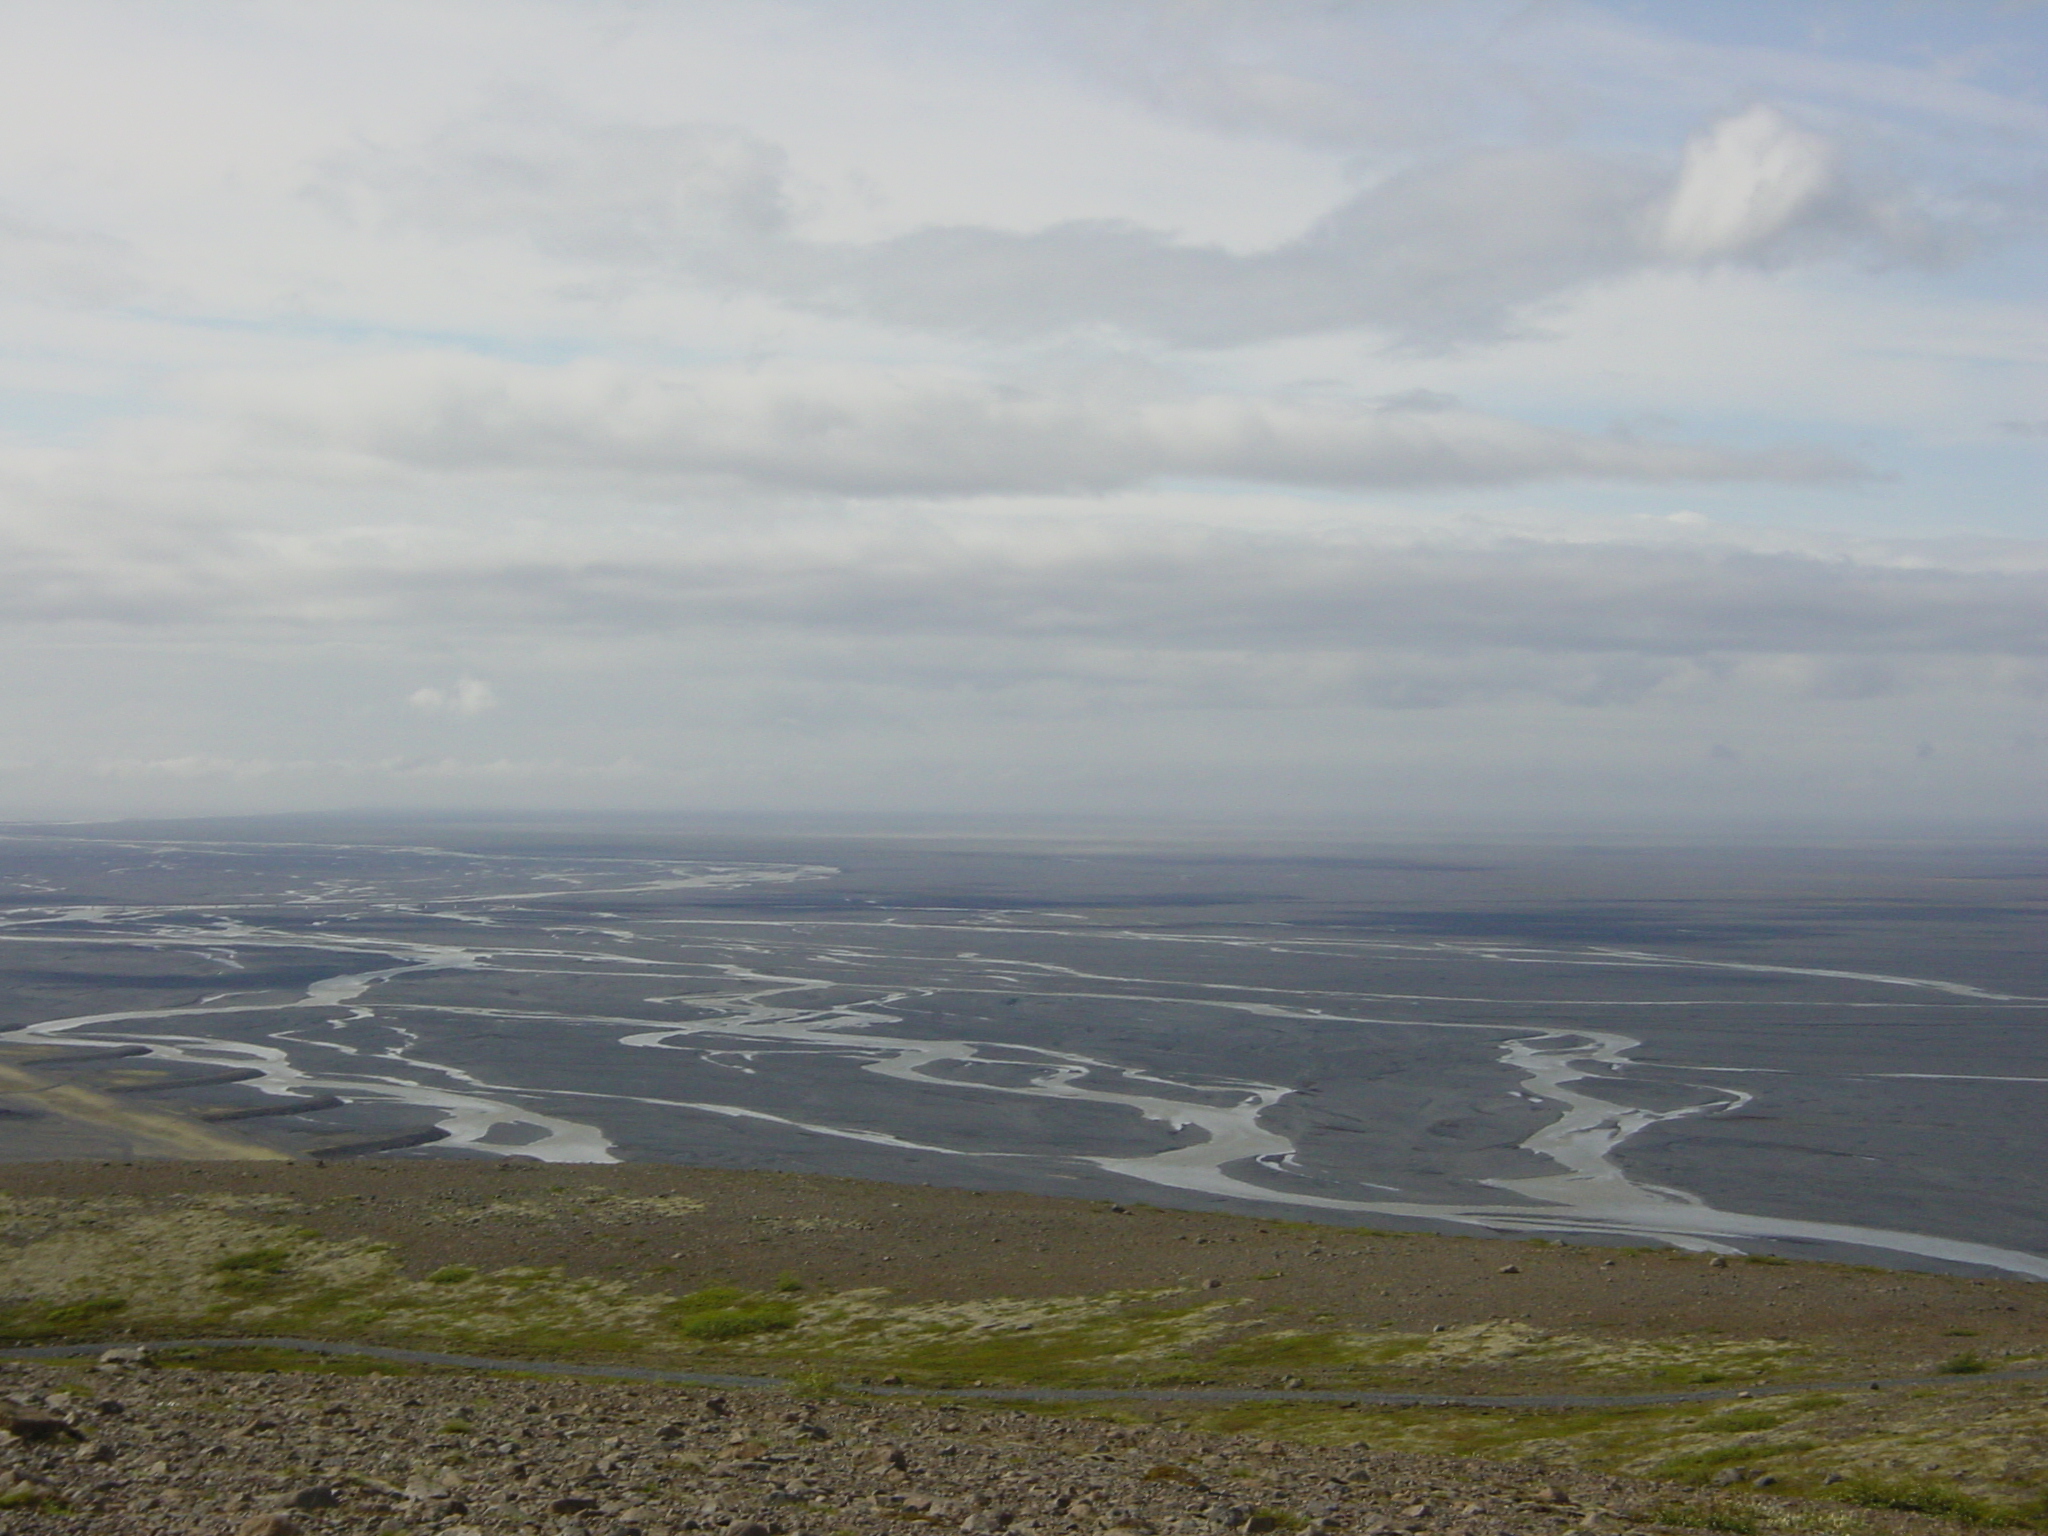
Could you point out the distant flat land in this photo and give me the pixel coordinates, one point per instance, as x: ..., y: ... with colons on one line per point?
x: 1819, y: 1052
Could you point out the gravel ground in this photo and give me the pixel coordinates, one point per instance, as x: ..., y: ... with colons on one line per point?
x: 136, y: 1450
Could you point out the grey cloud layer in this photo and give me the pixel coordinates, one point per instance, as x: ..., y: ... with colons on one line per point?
x: 1189, y: 590
x: 1146, y: 583
x: 1454, y: 247
x: 879, y: 431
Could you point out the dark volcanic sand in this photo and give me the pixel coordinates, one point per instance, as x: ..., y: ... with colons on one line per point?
x: 1809, y: 1041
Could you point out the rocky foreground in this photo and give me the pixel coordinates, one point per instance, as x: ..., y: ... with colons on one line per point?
x: 128, y: 1449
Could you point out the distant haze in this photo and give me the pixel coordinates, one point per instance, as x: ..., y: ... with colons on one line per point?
x: 1421, y: 412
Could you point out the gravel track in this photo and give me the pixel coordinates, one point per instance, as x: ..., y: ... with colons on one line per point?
x: 429, y: 1357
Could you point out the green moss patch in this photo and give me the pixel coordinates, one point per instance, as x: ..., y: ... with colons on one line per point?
x: 724, y: 1312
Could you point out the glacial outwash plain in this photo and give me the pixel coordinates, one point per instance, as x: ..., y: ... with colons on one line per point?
x: 1682, y: 1188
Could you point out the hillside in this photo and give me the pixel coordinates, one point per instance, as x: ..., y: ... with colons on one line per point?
x: 1625, y: 1363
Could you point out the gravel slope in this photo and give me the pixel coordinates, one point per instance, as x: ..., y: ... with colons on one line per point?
x: 142, y: 1451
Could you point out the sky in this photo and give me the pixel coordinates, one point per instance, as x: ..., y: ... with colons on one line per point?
x: 1415, y: 414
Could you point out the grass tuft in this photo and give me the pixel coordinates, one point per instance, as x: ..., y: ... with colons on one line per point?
x: 1740, y: 1422
x: 1698, y: 1466
x: 1922, y: 1496
x: 82, y: 1314
x: 253, y: 1271
x: 726, y: 1312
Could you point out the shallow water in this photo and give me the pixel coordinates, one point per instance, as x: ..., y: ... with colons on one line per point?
x: 1825, y: 1052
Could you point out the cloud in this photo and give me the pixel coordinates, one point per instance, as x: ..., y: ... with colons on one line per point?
x: 42, y: 262
x: 1002, y: 582
x: 875, y: 431
x: 933, y: 405
x: 1458, y: 244
x: 1745, y: 180
x: 1181, y: 588
x: 575, y: 186
x: 247, y: 770
x: 469, y: 696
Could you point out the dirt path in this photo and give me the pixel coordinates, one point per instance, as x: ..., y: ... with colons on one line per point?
x: 439, y: 1359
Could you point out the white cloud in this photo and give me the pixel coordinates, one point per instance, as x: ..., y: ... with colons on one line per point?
x: 1745, y: 180
x: 609, y: 190
x: 469, y: 696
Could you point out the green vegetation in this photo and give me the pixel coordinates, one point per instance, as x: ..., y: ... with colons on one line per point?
x: 724, y: 1312
x: 253, y: 1271
x: 32, y: 1320
x: 1925, y: 1497
x: 1265, y: 1518
x: 1741, y: 1422
x: 84, y: 1314
x: 264, y: 1261
x: 1953, y: 1449
x: 33, y: 1497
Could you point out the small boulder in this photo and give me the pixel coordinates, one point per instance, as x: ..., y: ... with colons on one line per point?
x: 313, y: 1498
x: 272, y: 1524
x: 572, y: 1505
x: 1509, y: 1269
x: 36, y: 1427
